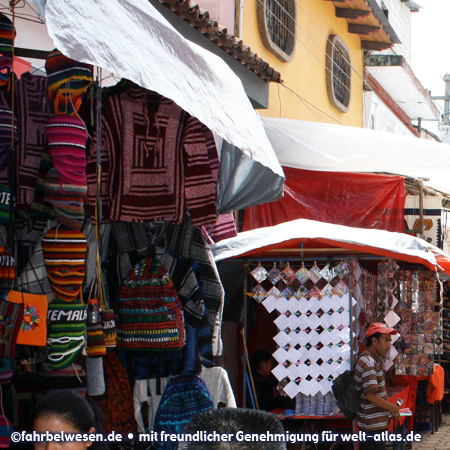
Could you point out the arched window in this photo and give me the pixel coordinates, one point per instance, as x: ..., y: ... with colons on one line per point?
x: 338, y: 73
x: 276, y: 20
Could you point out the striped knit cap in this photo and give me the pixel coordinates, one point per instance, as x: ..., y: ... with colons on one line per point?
x: 7, y: 34
x: 64, y: 256
x: 7, y: 265
x: 8, y: 123
x: 66, y: 332
x: 184, y: 397
x: 66, y: 138
x: 68, y: 81
x: 67, y: 200
x: 6, y: 61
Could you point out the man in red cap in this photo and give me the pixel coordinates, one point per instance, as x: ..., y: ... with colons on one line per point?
x: 375, y: 410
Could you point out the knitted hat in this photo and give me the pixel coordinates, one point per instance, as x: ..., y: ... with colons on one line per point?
x: 68, y: 81
x: 10, y: 319
x: 7, y: 265
x: 8, y: 122
x: 66, y: 332
x: 184, y: 397
x: 6, y: 61
x: 66, y: 138
x: 7, y: 33
x: 67, y: 200
x: 64, y: 256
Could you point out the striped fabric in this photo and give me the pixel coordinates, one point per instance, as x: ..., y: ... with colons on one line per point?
x: 8, y: 132
x: 6, y: 429
x: 7, y: 34
x: 95, y: 340
x: 369, y: 377
x: 33, y: 113
x: 72, y: 377
x: 66, y: 138
x: 150, y: 311
x: 11, y: 315
x: 68, y: 81
x: 67, y: 200
x: 66, y: 332
x: 65, y: 256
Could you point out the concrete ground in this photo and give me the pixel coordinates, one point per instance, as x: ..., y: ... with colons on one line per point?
x: 440, y: 440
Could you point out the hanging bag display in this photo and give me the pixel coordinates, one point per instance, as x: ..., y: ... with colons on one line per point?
x: 150, y: 312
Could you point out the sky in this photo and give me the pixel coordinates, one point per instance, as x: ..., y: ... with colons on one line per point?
x: 430, y: 58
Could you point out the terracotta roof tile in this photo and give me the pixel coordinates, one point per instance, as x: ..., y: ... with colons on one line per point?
x: 199, y: 18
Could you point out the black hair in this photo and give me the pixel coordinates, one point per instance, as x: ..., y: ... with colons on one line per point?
x: 258, y: 357
x: 82, y: 413
x: 230, y: 421
x: 372, y: 337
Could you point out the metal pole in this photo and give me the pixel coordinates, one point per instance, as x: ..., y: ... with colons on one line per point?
x: 244, y: 332
x: 352, y: 349
x: 421, y: 208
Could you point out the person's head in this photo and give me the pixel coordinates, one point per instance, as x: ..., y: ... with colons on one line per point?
x: 261, y: 362
x: 231, y: 421
x: 378, y: 339
x: 68, y: 412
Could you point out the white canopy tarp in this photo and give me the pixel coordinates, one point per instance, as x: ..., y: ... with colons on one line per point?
x: 131, y: 39
x: 337, y: 148
x: 379, y: 242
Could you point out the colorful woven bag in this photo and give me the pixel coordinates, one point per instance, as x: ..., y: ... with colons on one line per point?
x: 150, y: 312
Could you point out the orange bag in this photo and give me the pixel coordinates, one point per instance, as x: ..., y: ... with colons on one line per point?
x: 33, y: 329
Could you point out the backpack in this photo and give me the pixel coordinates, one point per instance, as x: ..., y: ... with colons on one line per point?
x: 184, y: 397
x: 345, y: 393
x: 150, y: 312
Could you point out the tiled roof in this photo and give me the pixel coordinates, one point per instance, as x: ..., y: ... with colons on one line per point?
x: 199, y: 18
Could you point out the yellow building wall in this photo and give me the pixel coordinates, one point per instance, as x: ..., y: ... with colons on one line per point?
x: 303, y: 92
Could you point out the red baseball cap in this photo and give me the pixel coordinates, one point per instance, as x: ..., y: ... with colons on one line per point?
x: 379, y: 328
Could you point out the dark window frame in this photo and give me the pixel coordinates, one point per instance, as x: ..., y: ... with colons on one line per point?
x: 277, y: 26
x: 339, y: 70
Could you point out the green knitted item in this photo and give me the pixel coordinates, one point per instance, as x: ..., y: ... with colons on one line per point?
x: 66, y: 332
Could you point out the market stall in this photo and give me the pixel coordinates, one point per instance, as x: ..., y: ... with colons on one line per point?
x: 111, y: 197
x: 320, y: 284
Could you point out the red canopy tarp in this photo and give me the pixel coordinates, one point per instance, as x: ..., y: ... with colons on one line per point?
x: 344, y: 198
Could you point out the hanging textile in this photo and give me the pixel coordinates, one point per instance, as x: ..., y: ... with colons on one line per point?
x: 154, y: 158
